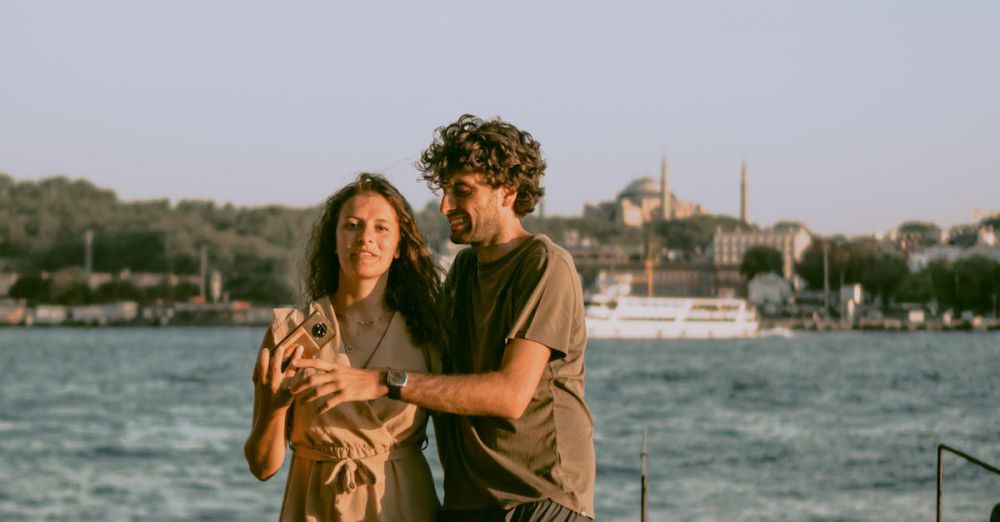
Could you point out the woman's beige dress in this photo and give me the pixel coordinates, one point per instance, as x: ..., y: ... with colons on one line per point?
x: 361, y: 460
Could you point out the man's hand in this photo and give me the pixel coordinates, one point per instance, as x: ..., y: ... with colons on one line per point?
x: 333, y: 384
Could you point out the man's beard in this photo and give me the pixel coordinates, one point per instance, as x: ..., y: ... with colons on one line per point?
x: 474, y: 233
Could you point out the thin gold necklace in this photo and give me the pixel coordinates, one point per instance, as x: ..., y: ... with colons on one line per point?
x: 359, y: 324
x: 350, y: 349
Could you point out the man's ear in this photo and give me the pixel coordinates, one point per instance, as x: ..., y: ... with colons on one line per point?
x: 509, y: 196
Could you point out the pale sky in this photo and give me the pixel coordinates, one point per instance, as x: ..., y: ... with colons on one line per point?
x: 853, y: 116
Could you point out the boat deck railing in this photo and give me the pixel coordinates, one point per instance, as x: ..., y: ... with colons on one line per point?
x: 995, y: 515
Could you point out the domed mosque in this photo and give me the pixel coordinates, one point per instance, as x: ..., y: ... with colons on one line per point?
x: 643, y: 201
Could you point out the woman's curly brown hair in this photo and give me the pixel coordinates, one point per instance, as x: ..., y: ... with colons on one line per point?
x: 504, y: 155
x: 414, y: 282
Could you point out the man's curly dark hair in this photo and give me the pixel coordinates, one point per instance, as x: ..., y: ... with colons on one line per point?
x: 503, y: 154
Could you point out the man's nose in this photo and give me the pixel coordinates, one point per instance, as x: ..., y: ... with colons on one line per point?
x: 446, y: 204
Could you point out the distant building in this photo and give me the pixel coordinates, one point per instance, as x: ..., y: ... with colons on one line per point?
x: 232, y: 312
x: 687, y: 279
x: 153, y: 279
x: 13, y: 311
x: 643, y: 201
x: 768, y: 289
x: 96, y: 279
x: 139, y: 279
x: 914, y: 237
x: 985, y: 246
x: 985, y: 214
x: 7, y: 280
x: 987, y: 237
x: 604, y: 256
x: 964, y: 235
x: 446, y: 254
x: 47, y: 314
x: 744, y: 194
x: 851, y: 298
x: 103, y: 314
x: 729, y: 248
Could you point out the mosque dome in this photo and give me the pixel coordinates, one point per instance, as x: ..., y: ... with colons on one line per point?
x: 789, y: 226
x: 640, y: 188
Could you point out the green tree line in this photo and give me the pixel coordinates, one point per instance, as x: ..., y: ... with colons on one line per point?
x: 880, y: 267
x: 258, y: 250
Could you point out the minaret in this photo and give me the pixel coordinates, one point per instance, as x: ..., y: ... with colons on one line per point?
x: 665, y: 209
x: 88, y: 253
x: 204, y: 274
x: 744, y: 198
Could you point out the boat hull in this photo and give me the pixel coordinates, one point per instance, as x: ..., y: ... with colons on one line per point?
x: 605, y: 329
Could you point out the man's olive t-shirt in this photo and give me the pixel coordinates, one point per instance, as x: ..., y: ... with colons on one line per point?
x: 534, y: 293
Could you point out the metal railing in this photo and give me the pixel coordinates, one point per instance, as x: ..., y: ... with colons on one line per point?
x: 940, y: 471
x: 645, y: 460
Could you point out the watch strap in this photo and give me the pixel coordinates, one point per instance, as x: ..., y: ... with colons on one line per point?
x: 395, y: 392
x: 395, y: 380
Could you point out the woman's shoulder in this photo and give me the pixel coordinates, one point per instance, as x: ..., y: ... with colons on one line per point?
x: 323, y: 302
x: 284, y: 319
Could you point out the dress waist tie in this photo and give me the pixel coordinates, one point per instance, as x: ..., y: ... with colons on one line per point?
x: 355, y: 466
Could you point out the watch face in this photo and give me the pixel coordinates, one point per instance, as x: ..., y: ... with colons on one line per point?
x: 395, y: 378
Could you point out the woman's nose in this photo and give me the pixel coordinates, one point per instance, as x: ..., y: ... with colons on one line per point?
x: 367, y: 235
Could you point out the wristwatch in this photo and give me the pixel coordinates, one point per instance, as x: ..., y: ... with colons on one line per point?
x: 395, y: 380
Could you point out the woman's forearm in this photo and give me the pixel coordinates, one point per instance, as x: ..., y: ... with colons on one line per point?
x: 265, y: 447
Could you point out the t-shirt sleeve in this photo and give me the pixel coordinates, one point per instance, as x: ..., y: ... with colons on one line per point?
x: 550, y: 311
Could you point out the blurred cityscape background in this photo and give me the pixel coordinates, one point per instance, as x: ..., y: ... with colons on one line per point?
x: 72, y: 252
x: 824, y: 161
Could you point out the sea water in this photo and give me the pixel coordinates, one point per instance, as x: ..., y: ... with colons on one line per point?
x: 148, y: 424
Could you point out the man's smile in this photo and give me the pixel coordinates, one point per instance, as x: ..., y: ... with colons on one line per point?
x: 458, y: 221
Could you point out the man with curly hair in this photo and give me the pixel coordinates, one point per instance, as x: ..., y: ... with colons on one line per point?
x: 516, y: 442
x: 523, y: 445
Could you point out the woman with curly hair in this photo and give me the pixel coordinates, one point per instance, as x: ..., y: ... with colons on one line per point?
x: 371, y: 276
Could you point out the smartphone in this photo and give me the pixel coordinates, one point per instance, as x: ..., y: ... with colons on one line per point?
x: 312, y: 334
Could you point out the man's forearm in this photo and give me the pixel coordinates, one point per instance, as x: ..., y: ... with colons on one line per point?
x: 490, y: 394
x: 502, y: 393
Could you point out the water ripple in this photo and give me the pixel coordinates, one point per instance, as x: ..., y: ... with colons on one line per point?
x: 129, y: 424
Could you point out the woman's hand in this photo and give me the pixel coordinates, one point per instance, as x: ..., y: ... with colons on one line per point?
x: 272, y: 384
x: 333, y: 384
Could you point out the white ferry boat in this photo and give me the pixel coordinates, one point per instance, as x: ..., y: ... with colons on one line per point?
x: 633, y: 317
